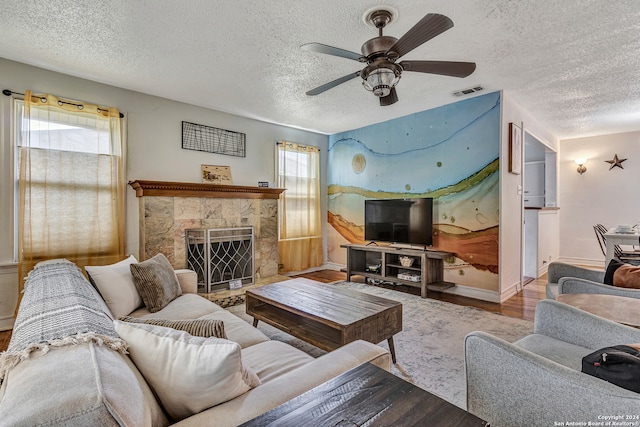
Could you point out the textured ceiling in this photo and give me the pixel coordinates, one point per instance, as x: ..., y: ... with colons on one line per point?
x: 572, y: 65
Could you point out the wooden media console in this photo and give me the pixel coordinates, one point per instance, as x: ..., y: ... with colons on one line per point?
x: 362, y: 260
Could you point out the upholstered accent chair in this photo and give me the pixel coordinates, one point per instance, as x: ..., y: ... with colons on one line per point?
x: 571, y: 279
x: 538, y: 380
x: 574, y: 277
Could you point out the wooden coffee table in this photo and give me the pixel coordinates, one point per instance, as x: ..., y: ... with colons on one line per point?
x: 367, y: 395
x: 622, y: 310
x: 325, y: 315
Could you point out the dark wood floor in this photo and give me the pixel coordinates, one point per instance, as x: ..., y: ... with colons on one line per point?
x: 5, y: 336
x: 522, y: 305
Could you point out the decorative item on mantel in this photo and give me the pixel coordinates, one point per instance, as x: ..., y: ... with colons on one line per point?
x: 216, y: 175
x: 615, y: 162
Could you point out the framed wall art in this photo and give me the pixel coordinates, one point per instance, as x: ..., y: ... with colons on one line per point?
x: 515, y: 149
x: 213, y: 140
x: 216, y: 175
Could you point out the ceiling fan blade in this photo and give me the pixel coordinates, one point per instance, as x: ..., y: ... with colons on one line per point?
x: 392, y: 98
x: 330, y: 50
x: 333, y: 83
x: 427, y: 28
x: 445, y: 68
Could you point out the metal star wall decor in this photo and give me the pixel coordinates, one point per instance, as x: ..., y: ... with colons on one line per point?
x: 615, y: 162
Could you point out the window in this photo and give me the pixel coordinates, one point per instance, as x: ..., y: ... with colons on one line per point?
x: 70, y: 182
x: 299, y: 216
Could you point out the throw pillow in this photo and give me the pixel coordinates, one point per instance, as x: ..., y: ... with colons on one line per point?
x: 188, y: 374
x: 197, y: 327
x: 115, y: 284
x: 614, y: 264
x: 156, y: 282
x: 627, y: 276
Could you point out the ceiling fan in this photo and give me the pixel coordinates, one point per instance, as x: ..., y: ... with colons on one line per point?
x: 382, y: 73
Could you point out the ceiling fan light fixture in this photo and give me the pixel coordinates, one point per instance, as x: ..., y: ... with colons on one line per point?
x: 382, y: 73
x: 380, y: 81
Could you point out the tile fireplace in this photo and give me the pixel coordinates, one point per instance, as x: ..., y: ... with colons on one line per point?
x: 168, y: 209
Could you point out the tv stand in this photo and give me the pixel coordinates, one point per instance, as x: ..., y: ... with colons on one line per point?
x: 427, y: 264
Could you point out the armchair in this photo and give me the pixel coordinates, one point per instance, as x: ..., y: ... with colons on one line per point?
x: 570, y: 279
x: 542, y: 371
x: 560, y: 270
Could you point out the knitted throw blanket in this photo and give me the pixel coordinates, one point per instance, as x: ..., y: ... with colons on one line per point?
x: 59, y: 308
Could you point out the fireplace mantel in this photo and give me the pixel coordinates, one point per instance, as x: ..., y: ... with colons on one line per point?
x: 192, y: 189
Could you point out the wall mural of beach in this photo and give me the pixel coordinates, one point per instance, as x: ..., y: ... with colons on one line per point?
x: 450, y: 153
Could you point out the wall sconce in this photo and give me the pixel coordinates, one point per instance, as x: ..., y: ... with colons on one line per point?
x: 581, y: 168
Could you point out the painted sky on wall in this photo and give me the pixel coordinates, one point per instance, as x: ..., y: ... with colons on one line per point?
x: 450, y: 153
x: 462, y: 136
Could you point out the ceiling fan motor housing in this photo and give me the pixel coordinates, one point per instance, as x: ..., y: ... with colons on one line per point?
x: 377, y: 46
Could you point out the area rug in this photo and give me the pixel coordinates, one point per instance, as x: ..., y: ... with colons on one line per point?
x: 430, y: 348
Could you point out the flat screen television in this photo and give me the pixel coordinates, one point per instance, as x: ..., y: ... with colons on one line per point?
x: 408, y: 221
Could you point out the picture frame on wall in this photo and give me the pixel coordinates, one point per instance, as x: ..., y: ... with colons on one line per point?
x: 515, y: 149
x: 212, y: 174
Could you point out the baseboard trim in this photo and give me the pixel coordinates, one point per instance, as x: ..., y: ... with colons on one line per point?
x: 543, y: 270
x: 510, y: 291
x: 475, y: 293
x: 9, y: 268
x: 308, y: 270
x: 334, y: 266
x: 588, y: 262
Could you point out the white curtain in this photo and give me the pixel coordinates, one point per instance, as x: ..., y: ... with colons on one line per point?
x: 299, y: 215
x: 71, y: 183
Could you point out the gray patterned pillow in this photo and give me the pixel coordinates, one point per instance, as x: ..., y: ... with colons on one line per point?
x: 197, y: 327
x: 156, y: 282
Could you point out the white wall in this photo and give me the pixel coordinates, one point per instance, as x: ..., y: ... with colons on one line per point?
x: 154, y: 145
x: 600, y: 195
x: 511, y: 210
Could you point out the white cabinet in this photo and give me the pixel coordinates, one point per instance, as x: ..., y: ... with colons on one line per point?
x: 541, y: 230
x: 534, y: 184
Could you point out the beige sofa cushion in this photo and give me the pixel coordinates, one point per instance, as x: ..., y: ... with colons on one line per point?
x: 186, y: 306
x: 238, y: 330
x: 79, y: 385
x: 271, y: 359
x: 115, y: 284
x: 203, y: 371
x: 156, y: 282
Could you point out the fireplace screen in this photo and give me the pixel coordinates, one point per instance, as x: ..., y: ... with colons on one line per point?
x: 220, y: 255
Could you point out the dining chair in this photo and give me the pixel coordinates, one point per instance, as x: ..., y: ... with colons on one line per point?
x: 624, y: 256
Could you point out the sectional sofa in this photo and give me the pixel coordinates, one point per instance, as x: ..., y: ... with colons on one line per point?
x: 67, y: 365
